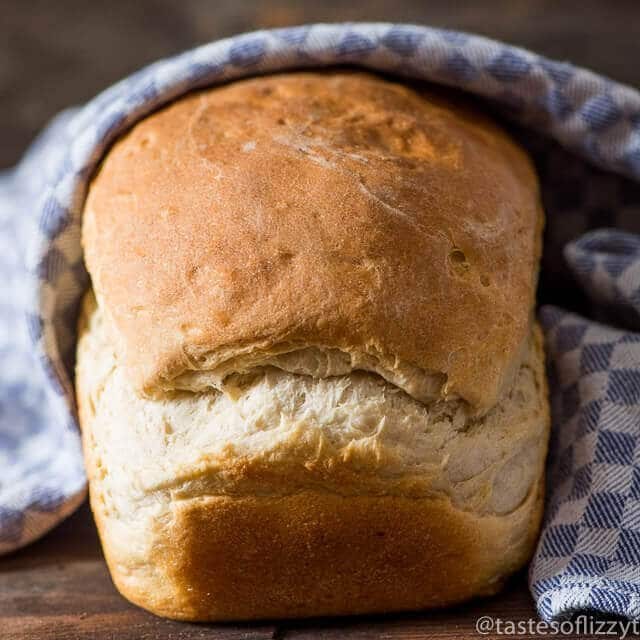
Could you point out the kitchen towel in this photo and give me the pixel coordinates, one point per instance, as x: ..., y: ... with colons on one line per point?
x: 584, y: 133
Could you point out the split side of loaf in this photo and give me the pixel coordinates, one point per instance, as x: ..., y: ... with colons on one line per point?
x: 302, y: 496
x: 308, y: 381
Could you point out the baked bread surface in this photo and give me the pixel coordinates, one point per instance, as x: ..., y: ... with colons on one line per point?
x: 308, y: 378
x: 363, y: 222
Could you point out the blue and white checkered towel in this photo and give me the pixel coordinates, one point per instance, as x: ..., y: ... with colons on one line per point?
x: 584, y: 132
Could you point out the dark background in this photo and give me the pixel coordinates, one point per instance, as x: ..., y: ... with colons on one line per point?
x: 56, y: 54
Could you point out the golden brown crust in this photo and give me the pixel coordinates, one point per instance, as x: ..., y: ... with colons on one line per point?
x: 335, y: 210
x: 315, y: 554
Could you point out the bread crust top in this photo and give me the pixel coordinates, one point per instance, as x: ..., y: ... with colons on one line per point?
x: 339, y: 211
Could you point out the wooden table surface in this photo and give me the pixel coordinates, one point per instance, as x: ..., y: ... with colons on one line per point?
x: 54, y: 54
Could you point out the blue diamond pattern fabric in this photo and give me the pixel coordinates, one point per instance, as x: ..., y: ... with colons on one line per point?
x: 584, y: 134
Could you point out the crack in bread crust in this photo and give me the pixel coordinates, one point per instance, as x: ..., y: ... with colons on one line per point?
x: 274, y: 431
x: 170, y: 484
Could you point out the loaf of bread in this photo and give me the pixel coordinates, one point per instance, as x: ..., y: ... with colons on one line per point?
x: 309, y: 378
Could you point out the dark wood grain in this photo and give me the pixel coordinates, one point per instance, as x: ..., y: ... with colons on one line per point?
x: 59, y: 588
x: 56, y: 54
